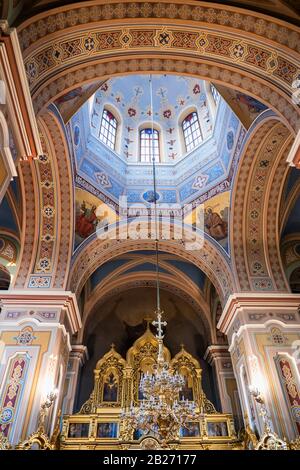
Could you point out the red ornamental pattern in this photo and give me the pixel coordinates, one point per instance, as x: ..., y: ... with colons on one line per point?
x: 12, y: 392
x: 291, y: 387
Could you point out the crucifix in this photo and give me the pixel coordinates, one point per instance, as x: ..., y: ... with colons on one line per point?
x: 159, y: 324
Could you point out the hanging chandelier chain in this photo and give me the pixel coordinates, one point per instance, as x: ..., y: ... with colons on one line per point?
x: 154, y: 197
x: 161, y: 411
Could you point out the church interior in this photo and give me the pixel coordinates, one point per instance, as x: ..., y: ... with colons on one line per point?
x: 149, y: 225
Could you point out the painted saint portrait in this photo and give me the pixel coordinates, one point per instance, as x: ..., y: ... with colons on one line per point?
x: 138, y: 433
x: 107, y: 430
x: 110, y: 388
x: 190, y: 430
x: 215, y: 224
x: 217, y: 429
x: 213, y: 216
x: 86, y: 220
x: 78, y: 430
x: 186, y: 393
x: 91, y: 215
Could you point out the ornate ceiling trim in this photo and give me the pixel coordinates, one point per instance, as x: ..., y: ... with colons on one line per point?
x: 63, y: 173
x: 48, y: 212
x: 30, y: 215
x: 73, y: 45
x: 69, y: 16
x: 256, y: 201
x: 272, y: 201
x: 97, y: 252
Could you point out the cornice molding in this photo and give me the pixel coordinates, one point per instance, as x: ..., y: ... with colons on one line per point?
x: 44, y: 299
x: 255, y: 301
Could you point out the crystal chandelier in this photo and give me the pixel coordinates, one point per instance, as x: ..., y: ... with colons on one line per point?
x: 160, y: 413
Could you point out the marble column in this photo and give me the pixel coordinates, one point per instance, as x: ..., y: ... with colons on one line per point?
x: 263, y: 332
x: 35, y: 331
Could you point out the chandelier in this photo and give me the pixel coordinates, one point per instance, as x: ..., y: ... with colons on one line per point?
x: 160, y: 413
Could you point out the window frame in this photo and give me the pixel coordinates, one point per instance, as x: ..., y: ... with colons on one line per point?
x: 215, y: 94
x: 108, y: 129
x: 146, y: 155
x: 192, y: 132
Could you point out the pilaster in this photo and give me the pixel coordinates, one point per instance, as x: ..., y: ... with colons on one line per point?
x: 78, y: 357
x: 263, y: 332
x: 35, y: 332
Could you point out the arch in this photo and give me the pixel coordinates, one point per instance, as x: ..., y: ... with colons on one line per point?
x: 148, y: 280
x: 249, y: 51
x: 95, y: 252
x: 174, y: 281
x: 254, y: 218
x: 47, y: 235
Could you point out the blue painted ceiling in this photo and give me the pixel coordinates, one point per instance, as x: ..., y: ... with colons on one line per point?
x: 181, y: 177
x: 172, y: 98
x: 145, y: 264
x: 293, y: 222
x: 7, y: 218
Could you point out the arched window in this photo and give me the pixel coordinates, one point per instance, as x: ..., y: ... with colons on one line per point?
x: 108, y: 129
x: 215, y: 94
x: 149, y: 145
x: 191, y: 131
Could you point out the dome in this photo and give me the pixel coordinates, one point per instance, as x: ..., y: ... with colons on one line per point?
x: 195, y: 138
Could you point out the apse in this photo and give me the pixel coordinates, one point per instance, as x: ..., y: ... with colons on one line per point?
x: 123, y: 318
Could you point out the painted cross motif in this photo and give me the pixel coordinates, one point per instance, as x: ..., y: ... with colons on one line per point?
x: 164, y: 39
x: 200, y: 181
x: 103, y: 179
x: 138, y: 91
x: 162, y: 92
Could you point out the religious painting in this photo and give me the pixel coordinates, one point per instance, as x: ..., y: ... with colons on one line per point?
x: 288, y: 377
x: 186, y: 393
x: 110, y: 388
x: 138, y: 433
x: 78, y: 430
x: 190, y: 430
x: 91, y: 215
x: 214, y: 214
x: 107, y: 430
x: 217, y: 428
x: 244, y: 106
x: 68, y: 100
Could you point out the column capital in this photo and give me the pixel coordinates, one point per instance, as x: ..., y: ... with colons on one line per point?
x: 215, y: 351
x: 218, y: 353
x: 43, y: 305
x: 258, y: 308
x: 80, y: 352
